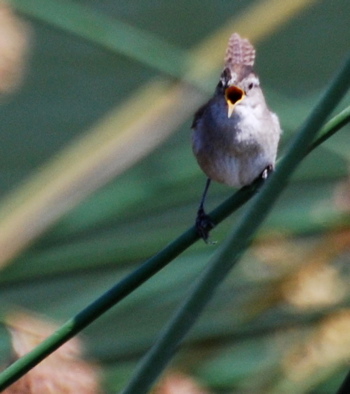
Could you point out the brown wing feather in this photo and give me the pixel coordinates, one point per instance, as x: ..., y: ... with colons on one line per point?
x: 239, y: 52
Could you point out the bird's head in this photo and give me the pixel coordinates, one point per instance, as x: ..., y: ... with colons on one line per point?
x: 239, y: 85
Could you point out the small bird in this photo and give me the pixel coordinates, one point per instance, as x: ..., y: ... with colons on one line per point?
x: 235, y: 135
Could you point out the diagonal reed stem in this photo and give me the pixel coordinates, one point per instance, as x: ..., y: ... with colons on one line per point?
x: 157, y: 358
x: 150, y: 267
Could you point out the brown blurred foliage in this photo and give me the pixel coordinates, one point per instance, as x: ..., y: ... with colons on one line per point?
x: 327, y: 347
x: 179, y: 383
x: 14, y: 45
x: 62, y: 372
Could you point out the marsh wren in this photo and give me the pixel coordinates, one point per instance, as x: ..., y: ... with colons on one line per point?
x: 235, y: 135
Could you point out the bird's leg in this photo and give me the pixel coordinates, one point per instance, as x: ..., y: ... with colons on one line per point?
x: 203, y: 222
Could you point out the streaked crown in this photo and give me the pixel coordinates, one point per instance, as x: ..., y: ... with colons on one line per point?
x: 239, y: 60
x: 239, y: 52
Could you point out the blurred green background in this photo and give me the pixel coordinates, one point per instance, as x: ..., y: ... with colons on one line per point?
x: 98, y: 72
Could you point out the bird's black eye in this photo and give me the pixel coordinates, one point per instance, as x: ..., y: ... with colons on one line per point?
x: 250, y: 86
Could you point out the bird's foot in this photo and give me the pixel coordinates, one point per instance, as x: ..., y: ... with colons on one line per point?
x: 259, y: 181
x: 203, y: 224
x: 267, y: 171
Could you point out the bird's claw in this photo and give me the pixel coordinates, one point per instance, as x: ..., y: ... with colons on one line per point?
x: 203, y: 225
x: 260, y: 180
x: 267, y: 171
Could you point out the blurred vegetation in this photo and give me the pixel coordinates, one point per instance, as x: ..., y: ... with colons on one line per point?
x: 97, y: 174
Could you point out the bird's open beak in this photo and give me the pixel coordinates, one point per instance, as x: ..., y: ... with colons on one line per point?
x: 233, y: 95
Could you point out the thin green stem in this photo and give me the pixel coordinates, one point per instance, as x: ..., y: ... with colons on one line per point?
x: 237, y: 242
x: 118, y: 292
x: 331, y: 127
x: 111, y: 33
x: 131, y: 282
x: 345, y: 386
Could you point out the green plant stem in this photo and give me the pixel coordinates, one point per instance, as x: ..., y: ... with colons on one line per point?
x: 131, y: 282
x: 110, y: 33
x: 139, y: 276
x: 331, y: 127
x: 237, y: 242
x: 345, y: 386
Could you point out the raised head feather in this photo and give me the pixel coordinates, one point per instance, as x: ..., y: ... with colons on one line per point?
x: 239, y: 52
